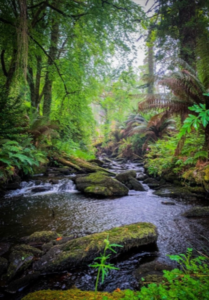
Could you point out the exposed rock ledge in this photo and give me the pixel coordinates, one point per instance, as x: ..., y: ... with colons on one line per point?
x: 85, y: 249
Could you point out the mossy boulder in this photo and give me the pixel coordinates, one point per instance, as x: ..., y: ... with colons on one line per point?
x: 85, y: 249
x: 28, y: 249
x: 151, y: 272
x: 152, y: 183
x: 176, y: 192
x: 100, y: 184
x: 18, y: 261
x: 74, y: 294
x: 197, y: 211
x: 40, y: 237
x: 3, y: 265
x: 128, y: 178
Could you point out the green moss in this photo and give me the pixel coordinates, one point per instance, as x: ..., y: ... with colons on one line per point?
x: 41, y: 236
x: 28, y: 249
x: 85, y: 249
x: 73, y: 294
x: 206, y: 174
x: 98, y: 190
x: 152, y: 278
x: 196, y: 189
x: 125, y: 235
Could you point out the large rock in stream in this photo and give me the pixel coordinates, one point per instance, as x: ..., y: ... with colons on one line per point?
x: 129, y: 179
x: 83, y: 250
x: 197, y: 211
x: 100, y: 184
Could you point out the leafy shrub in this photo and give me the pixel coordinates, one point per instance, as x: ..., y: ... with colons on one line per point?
x: 160, y: 156
x: 191, y: 282
x: 16, y: 156
x: 74, y: 149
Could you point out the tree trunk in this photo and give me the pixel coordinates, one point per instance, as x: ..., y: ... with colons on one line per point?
x: 151, y: 70
x: 187, y: 31
x: 34, y: 85
x: 11, y: 71
x: 47, y: 92
x: 206, y: 145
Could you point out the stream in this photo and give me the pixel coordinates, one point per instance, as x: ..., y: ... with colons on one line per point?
x: 41, y: 205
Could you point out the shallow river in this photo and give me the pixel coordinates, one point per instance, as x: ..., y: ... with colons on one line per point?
x: 67, y: 211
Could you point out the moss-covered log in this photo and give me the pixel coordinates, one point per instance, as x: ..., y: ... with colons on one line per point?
x: 67, y: 163
x: 86, y: 165
x: 80, y: 164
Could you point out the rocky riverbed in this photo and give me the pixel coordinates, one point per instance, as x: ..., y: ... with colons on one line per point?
x: 53, y: 203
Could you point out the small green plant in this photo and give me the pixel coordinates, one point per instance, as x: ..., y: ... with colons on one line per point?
x: 102, y: 266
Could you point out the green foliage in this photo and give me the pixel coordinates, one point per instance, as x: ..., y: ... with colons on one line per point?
x: 195, y: 121
x: 191, y: 282
x: 160, y: 156
x: 11, y: 115
x: 102, y: 266
x: 71, y: 148
x: 16, y: 156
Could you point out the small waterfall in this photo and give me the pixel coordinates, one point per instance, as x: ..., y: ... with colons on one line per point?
x: 39, y: 187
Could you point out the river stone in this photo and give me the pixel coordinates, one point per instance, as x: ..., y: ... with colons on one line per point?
x: 21, y: 283
x: 3, y: 265
x: 197, y: 211
x: 4, y: 247
x: 40, y: 237
x: 176, y: 192
x: 129, y: 179
x: 85, y: 249
x: 28, y: 249
x: 101, y: 185
x: 41, y: 189
x: 141, y: 176
x: 18, y: 261
x: 152, y: 272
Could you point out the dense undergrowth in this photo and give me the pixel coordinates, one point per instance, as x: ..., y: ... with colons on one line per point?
x: 189, y: 282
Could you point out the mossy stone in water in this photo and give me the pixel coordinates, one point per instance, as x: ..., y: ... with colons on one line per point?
x: 197, y: 211
x: 100, y: 184
x: 85, y: 249
x: 176, y: 192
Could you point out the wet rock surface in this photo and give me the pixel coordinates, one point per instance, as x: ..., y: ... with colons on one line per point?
x: 176, y: 192
x: 99, y: 184
x: 4, y: 247
x: 22, y: 282
x: 40, y: 237
x: 76, y: 214
x: 3, y: 265
x: 85, y: 249
x: 151, y: 272
x: 128, y: 178
x: 197, y: 211
x: 168, y: 203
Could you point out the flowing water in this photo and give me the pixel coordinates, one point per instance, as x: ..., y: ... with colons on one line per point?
x: 60, y: 207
